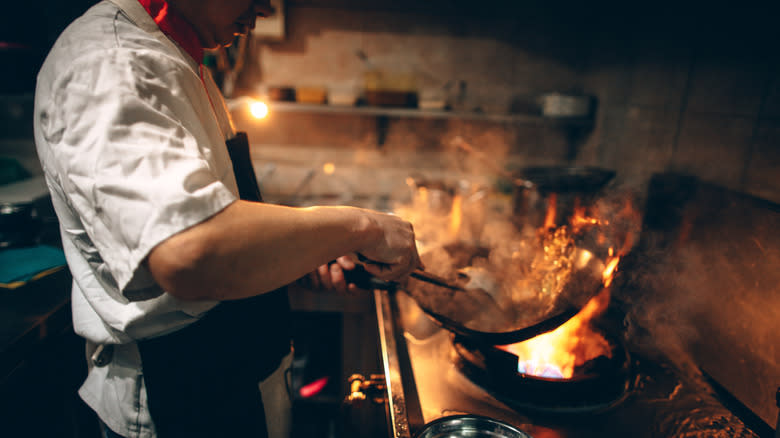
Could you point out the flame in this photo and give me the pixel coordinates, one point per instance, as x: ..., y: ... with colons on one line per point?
x: 549, y: 218
x: 609, y: 271
x: 547, y: 263
x: 556, y: 354
x: 422, y: 192
x: 456, y: 215
x: 580, y: 219
x: 328, y: 168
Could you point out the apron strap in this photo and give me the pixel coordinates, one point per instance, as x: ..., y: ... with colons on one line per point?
x: 238, y: 149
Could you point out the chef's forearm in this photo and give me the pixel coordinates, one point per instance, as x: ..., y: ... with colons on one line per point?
x: 252, y: 248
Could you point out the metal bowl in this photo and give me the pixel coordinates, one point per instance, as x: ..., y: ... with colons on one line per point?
x: 471, y: 426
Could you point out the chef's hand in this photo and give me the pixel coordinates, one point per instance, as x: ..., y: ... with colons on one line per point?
x: 394, y: 255
x: 330, y: 276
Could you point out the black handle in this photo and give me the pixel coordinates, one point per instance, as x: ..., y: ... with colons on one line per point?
x: 364, y: 280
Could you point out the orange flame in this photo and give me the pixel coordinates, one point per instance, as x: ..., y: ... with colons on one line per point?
x: 549, y: 218
x: 423, y: 192
x: 456, y: 215
x: 580, y: 219
x: 609, y: 271
x: 556, y: 354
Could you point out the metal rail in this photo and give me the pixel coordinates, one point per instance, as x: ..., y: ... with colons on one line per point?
x: 399, y: 420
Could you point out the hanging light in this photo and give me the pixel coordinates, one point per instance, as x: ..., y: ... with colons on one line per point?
x: 258, y: 109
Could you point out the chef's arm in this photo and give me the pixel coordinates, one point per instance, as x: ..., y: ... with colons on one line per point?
x: 250, y: 248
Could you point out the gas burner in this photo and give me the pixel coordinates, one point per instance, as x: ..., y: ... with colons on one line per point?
x: 598, y: 385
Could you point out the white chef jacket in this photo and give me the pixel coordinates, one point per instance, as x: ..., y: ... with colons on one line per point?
x: 133, y: 150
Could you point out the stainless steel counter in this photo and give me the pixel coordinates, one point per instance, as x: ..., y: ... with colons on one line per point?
x: 424, y: 384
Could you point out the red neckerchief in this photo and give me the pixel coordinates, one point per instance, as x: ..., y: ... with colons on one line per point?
x: 175, y: 26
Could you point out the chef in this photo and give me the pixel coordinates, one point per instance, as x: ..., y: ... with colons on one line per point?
x: 178, y: 281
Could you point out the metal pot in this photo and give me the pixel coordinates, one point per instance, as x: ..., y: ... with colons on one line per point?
x: 472, y: 426
x: 556, y: 189
x: 19, y: 225
x: 25, y: 210
x: 560, y: 105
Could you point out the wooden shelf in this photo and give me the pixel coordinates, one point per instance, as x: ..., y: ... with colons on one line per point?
x: 373, y: 111
x: 575, y: 128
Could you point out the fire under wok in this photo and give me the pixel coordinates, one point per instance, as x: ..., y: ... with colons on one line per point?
x: 473, y: 300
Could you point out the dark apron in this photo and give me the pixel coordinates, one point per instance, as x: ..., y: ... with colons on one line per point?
x: 202, y: 381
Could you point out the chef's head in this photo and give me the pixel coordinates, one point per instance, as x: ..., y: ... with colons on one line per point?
x: 218, y: 22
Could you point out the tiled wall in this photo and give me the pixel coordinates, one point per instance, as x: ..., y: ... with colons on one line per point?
x: 672, y: 93
x: 671, y: 96
x: 701, y: 106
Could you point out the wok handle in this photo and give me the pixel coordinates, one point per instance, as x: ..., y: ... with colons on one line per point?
x: 364, y: 280
x: 433, y: 279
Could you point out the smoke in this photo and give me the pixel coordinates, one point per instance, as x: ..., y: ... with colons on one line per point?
x: 658, y: 317
x: 705, y: 295
x: 695, y: 287
x: 470, y: 234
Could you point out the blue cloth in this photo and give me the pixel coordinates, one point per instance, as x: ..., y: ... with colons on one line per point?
x: 19, y: 265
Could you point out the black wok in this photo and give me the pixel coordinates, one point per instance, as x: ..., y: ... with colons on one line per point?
x: 477, y: 314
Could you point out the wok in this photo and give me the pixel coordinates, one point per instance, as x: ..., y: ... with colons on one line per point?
x: 482, y: 317
x: 563, y: 179
x: 561, y: 187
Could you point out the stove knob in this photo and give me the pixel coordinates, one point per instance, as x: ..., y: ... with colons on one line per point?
x: 361, y: 388
x: 356, y: 382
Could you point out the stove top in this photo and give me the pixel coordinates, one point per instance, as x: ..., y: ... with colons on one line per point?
x: 425, y: 381
x: 596, y: 385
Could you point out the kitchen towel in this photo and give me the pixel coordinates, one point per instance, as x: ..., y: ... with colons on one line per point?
x: 21, y: 265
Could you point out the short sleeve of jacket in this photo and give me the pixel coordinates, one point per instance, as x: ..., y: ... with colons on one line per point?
x: 132, y: 154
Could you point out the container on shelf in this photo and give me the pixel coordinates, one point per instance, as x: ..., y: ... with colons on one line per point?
x: 387, y: 88
x: 311, y: 94
x: 280, y: 93
x: 342, y: 96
